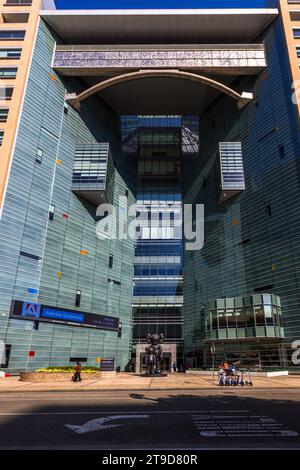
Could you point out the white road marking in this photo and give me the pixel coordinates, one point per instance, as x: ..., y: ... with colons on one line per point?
x: 209, y: 423
x: 214, y: 425
x: 102, y: 423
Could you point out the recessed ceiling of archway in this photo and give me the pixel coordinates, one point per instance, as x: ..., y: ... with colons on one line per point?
x: 159, y: 95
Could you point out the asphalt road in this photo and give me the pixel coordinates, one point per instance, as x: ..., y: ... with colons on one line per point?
x: 225, y: 419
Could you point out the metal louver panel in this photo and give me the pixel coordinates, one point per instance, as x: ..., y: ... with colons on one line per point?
x: 92, y: 166
x: 232, y: 169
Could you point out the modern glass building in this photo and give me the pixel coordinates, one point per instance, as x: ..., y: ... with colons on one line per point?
x: 177, y: 112
x: 158, y: 261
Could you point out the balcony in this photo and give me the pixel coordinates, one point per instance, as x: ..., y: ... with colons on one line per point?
x: 93, y: 173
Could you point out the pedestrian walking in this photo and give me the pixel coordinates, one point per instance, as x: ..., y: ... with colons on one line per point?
x: 77, y: 375
x: 174, y: 367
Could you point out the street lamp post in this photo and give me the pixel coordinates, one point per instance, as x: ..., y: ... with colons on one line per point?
x: 213, y: 352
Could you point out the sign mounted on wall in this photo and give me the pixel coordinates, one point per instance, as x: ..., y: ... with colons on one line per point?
x: 107, y: 365
x: 31, y: 310
x: 44, y: 313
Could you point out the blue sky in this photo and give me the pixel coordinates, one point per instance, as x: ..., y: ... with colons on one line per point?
x: 125, y: 4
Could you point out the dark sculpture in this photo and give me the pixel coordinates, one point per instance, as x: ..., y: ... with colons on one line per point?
x: 154, y: 353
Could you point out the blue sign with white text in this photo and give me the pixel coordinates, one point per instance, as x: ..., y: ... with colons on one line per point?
x: 45, y: 313
x: 62, y: 315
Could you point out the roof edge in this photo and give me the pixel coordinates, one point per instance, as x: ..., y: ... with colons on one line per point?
x: 145, y: 12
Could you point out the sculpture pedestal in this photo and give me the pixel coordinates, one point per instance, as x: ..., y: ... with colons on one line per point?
x: 169, y: 356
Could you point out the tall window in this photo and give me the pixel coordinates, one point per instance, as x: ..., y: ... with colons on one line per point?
x: 51, y: 212
x: 3, y: 114
x: 6, y: 92
x: 1, y: 137
x: 39, y: 155
x: 78, y: 298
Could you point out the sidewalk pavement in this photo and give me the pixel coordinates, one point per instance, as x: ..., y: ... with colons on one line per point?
x: 129, y: 382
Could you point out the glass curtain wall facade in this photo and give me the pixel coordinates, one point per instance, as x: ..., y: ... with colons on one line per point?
x: 159, y: 143
x: 251, y: 240
x: 52, y: 264
x: 158, y: 268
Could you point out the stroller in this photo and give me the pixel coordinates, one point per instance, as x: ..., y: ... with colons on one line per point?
x: 249, y: 382
x: 233, y: 377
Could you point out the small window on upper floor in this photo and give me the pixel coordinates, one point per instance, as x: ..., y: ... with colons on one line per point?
x: 111, y: 261
x: 15, y: 17
x: 3, y: 114
x: 281, y: 150
x: 18, y: 3
x: 296, y: 32
x: 78, y: 298
x: 6, y: 93
x: 39, y: 155
x: 295, y: 15
x: 51, y: 212
x: 1, y: 137
x: 10, y: 52
x: 8, y: 72
x: 12, y: 35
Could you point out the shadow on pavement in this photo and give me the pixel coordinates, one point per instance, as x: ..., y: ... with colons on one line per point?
x: 150, y: 420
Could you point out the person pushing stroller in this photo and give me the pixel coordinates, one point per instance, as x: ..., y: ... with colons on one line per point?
x: 228, y: 375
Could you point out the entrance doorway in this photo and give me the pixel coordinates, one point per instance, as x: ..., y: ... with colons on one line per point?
x: 165, y: 364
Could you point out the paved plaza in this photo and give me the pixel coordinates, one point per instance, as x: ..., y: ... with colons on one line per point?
x: 127, y: 381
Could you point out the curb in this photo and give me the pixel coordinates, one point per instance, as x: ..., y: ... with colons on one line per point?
x: 148, y: 390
